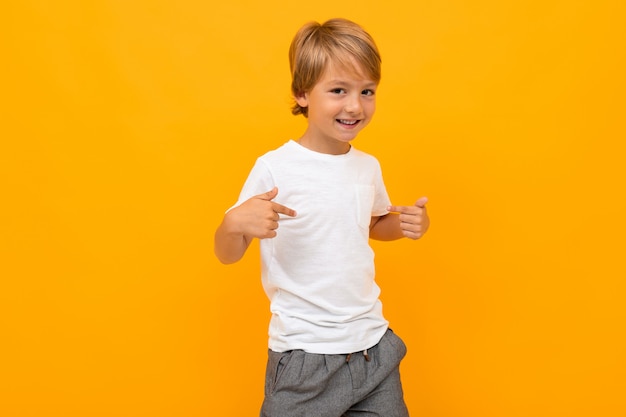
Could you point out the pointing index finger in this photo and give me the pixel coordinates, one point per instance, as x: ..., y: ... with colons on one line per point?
x: 279, y: 208
x: 396, y: 209
x: 405, y: 209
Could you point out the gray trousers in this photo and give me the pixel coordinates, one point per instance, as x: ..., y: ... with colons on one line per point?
x: 300, y: 384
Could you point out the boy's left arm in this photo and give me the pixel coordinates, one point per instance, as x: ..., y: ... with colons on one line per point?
x: 402, y: 221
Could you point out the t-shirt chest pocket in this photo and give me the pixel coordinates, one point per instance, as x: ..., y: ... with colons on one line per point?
x: 364, y: 203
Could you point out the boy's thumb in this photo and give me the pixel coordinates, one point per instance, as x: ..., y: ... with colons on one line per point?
x: 421, y: 202
x: 270, y: 195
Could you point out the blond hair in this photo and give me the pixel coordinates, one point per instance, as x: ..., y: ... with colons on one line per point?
x: 337, y: 41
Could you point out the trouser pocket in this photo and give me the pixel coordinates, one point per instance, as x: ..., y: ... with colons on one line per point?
x: 276, y: 364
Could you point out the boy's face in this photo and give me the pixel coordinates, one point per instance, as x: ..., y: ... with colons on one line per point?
x: 339, y: 106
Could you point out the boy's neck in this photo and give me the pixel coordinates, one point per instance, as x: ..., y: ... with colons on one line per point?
x: 330, y: 148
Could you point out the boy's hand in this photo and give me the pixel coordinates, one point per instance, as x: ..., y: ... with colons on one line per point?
x: 414, y: 221
x: 258, y: 216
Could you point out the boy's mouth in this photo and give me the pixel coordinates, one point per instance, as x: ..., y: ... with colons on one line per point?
x: 348, y: 122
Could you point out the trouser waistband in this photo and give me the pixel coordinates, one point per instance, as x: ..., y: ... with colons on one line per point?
x: 367, y: 356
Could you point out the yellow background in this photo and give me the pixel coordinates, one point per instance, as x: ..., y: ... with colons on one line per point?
x: 128, y: 128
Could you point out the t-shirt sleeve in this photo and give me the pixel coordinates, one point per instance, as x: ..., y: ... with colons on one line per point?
x: 259, y: 181
x: 381, y: 198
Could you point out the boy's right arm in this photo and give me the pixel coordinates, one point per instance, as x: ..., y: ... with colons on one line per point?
x: 256, y: 217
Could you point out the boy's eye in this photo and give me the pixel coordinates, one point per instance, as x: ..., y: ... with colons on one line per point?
x: 337, y: 90
x: 367, y: 92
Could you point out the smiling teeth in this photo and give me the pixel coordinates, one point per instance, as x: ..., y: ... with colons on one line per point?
x: 348, y: 122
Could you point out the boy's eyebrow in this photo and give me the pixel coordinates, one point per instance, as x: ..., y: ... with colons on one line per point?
x: 342, y: 82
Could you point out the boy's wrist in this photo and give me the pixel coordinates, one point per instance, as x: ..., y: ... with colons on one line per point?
x: 231, y: 226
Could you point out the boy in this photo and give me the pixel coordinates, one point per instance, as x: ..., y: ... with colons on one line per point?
x: 331, y: 352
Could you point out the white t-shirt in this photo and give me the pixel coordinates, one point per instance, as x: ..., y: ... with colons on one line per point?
x: 318, y: 272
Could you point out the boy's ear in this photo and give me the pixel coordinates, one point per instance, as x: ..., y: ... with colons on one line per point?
x: 302, y: 100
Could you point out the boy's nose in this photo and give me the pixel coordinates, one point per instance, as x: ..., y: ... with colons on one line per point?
x: 353, y: 105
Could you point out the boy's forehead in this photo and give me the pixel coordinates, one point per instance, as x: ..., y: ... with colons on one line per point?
x: 347, y: 70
